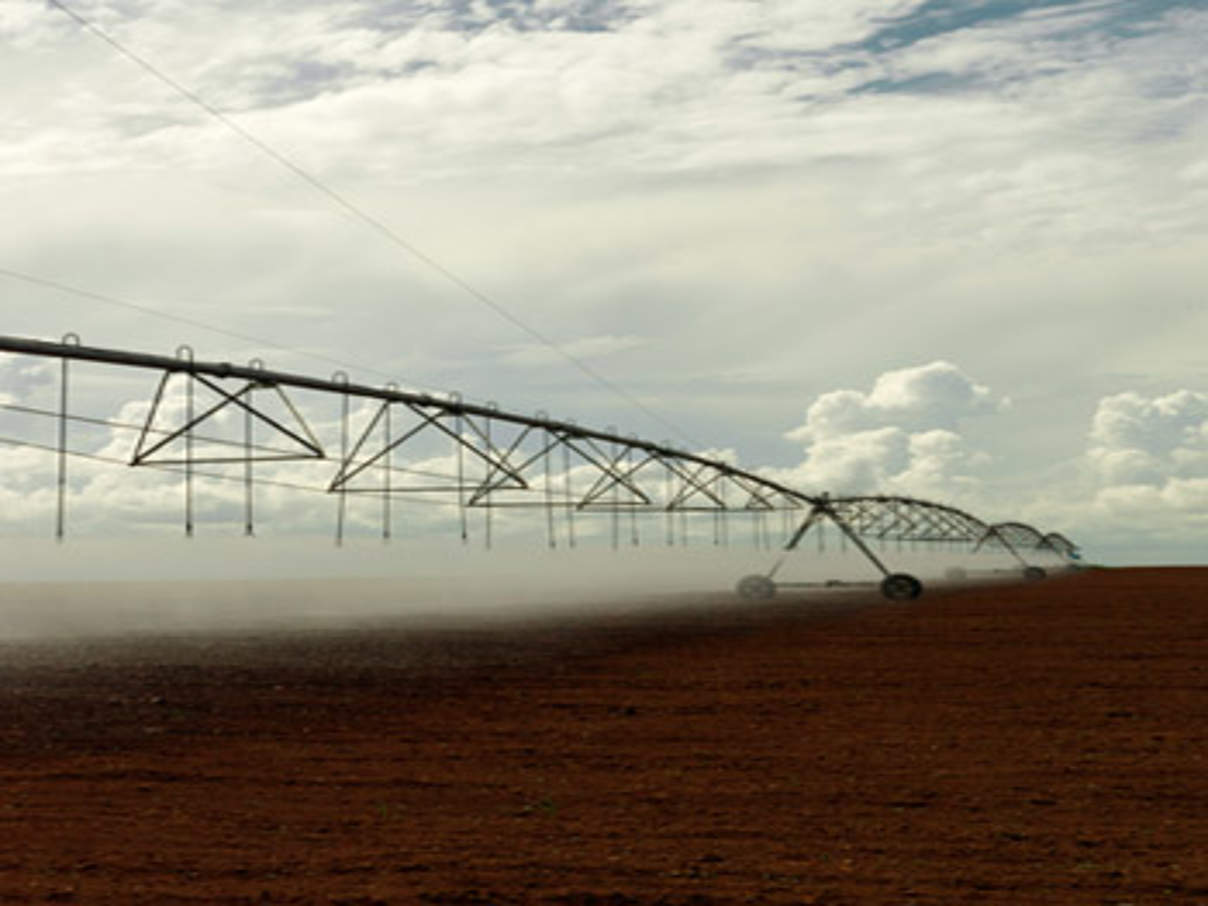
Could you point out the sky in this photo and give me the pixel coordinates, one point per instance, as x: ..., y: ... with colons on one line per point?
x: 940, y: 248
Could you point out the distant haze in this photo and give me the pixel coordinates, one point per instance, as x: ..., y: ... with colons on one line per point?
x: 105, y: 589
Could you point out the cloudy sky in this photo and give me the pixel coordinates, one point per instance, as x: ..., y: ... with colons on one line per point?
x: 954, y: 248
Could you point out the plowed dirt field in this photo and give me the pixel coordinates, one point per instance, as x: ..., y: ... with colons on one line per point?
x: 1041, y: 743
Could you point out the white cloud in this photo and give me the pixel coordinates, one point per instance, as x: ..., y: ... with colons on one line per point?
x: 856, y: 462
x: 1147, y: 440
x: 936, y: 395
x: 940, y: 463
x: 900, y: 436
x: 1140, y: 486
x: 1141, y: 489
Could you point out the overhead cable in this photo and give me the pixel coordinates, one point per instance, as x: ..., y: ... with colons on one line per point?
x: 180, y: 319
x: 376, y: 224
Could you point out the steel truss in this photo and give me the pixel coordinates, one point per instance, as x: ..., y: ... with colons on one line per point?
x: 1017, y: 537
x: 1022, y: 536
x: 881, y: 518
x: 491, y: 459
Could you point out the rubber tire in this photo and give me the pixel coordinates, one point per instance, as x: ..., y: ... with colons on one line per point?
x: 756, y: 587
x: 1034, y: 573
x: 901, y: 587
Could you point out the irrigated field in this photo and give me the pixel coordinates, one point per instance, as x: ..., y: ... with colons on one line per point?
x: 1038, y: 743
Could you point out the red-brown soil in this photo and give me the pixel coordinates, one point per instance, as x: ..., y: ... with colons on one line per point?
x: 1038, y: 743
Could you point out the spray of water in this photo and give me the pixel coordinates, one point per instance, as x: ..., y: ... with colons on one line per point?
x: 152, y: 586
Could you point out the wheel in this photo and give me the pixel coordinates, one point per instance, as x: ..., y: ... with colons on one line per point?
x: 901, y: 587
x: 1033, y: 573
x: 756, y: 586
x: 956, y: 574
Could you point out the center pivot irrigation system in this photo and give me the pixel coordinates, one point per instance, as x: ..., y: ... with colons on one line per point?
x: 218, y: 421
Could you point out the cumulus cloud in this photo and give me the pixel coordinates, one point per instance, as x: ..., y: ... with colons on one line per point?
x: 936, y: 395
x: 901, y: 435
x: 1150, y: 441
x: 1141, y: 487
x: 1141, y: 484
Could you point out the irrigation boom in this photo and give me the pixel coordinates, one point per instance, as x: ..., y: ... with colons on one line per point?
x: 480, y: 456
